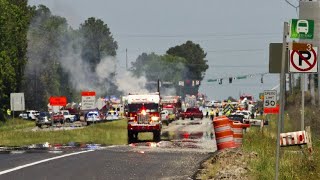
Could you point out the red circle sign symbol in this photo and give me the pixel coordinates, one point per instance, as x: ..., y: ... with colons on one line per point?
x: 304, y: 59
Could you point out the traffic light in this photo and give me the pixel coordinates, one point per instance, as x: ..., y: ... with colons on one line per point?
x: 230, y: 79
x: 261, y: 78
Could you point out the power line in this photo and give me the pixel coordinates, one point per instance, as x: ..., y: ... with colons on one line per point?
x: 217, y: 50
x: 197, y: 35
x: 236, y: 50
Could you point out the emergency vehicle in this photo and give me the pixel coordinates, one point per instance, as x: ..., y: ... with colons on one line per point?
x: 173, y: 105
x: 143, y: 113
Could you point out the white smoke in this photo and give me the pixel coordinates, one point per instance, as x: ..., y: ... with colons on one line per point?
x: 83, y: 79
x: 127, y: 83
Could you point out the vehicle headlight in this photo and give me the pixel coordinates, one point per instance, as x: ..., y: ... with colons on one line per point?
x: 154, y: 118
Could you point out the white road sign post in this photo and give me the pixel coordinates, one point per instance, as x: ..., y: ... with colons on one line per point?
x: 17, y: 102
x: 270, y: 99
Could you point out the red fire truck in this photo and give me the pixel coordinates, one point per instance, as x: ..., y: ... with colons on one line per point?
x: 173, y: 105
x: 143, y: 112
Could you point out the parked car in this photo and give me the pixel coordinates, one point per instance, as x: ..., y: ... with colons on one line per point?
x: 44, y: 119
x: 92, y: 117
x: 67, y: 117
x: 32, y: 114
x: 237, y: 117
x: 58, y: 117
x: 192, y: 113
x: 23, y: 115
x: 112, y: 115
x: 246, y: 114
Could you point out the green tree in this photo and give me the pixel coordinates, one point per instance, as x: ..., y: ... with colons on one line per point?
x: 14, y: 21
x: 98, y: 41
x: 48, y: 40
x: 165, y: 68
x: 195, y: 63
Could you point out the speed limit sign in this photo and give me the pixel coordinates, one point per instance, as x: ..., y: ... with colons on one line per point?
x: 270, y: 99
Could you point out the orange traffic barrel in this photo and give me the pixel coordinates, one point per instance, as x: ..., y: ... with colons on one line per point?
x: 237, y: 128
x: 223, y: 133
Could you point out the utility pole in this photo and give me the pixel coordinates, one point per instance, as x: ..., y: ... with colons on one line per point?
x: 126, y: 59
x: 282, y: 94
x: 311, y: 10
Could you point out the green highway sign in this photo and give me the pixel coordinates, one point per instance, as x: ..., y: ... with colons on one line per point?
x: 301, y: 29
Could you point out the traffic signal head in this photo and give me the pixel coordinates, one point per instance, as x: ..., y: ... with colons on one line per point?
x: 230, y: 79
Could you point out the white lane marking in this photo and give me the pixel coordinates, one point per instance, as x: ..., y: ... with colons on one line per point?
x: 42, y: 161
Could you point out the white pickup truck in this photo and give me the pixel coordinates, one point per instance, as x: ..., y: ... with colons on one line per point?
x: 67, y: 116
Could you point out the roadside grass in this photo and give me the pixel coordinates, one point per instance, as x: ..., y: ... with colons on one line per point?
x: 294, y: 161
x: 14, y: 133
x: 15, y: 124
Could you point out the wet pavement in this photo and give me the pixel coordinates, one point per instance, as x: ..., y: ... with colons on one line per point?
x: 183, y: 135
x: 184, y: 145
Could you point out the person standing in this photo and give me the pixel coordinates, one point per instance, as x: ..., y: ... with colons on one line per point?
x: 9, y: 113
x: 217, y: 112
x: 211, y: 114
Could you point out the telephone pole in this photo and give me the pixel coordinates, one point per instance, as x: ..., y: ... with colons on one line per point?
x: 311, y: 10
x: 126, y: 59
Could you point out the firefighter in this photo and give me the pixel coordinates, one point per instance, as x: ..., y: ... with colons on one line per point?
x: 217, y: 112
x: 228, y: 113
x: 9, y: 113
x: 211, y: 114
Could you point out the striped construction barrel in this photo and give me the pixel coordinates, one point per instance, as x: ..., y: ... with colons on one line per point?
x: 237, y: 128
x: 223, y: 133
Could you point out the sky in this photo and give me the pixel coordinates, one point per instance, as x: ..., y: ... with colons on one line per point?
x: 235, y: 34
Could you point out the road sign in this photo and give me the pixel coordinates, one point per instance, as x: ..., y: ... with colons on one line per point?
x: 303, y: 61
x: 271, y: 110
x: 100, y: 103
x: 270, y: 99
x: 17, y: 102
x: 275, y: 57
x: 300, y: 46
x: 88, y: 100
x: 301, y: 28
x: 58, y: 101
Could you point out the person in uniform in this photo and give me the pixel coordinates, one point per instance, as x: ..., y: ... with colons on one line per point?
x: 9, y: 113
x: 211, y: 114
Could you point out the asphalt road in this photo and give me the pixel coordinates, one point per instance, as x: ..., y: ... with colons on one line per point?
x: 187, y: 144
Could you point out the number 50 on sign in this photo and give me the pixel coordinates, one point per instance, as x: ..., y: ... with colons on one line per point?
x: 270, y: 98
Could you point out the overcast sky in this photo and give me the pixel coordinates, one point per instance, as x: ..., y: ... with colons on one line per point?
x: 234, y: 33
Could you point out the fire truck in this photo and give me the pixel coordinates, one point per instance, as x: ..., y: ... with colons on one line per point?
x: 143, y: 113
x: 173, y: 105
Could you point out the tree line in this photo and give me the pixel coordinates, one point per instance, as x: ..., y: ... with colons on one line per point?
x: 40, y: 54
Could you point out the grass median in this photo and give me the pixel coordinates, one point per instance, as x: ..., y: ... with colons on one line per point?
x: 17, y: 133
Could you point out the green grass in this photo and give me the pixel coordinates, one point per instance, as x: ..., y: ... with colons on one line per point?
x: 294, y: 162
x: 14, y: 133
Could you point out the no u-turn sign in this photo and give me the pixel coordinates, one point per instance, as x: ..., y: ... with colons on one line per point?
x: 303, y: 61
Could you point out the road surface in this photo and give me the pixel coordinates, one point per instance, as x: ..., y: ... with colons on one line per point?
x: 184, y: 146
